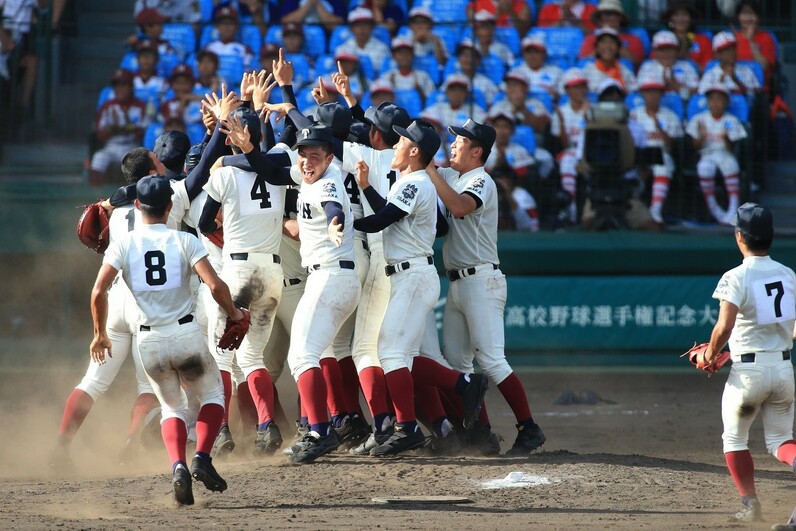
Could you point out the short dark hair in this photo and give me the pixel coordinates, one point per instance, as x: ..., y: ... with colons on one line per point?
x: 151, y: 211
x: 425, y: 158
x: 751, y: 4
x: 484, y: 151
x: 136, y: 164
x: 755, y: 244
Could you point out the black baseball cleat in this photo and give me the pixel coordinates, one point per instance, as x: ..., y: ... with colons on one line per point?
x: 353, y: 432
x: 313, y: 446
x: 181, y: 481
x: 448, y: 446
x: 402, y: 440
x: 751, y: 511
x: 301, y: 431
x: 528, y: 440
x: 373, y: 440
x: 481, y: 440
x: 204, y: 471
x: 268, y: 440
x: 223, y: 444
x: 473, y: 398
x: 60, y: 462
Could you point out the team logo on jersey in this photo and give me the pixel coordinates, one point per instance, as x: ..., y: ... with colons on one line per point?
x: 305, y: 134
x: 329, y: 188
x: 723, y: 287
x: 477, y: 184
x: 408, y: 193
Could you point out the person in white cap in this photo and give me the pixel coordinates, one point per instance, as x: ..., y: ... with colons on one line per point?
x: 506, y: 152
x: 738, y: 78
x: 714, y: 132
x: 329, y: 14
x: 568, y: 124
x: 485, y: 38
x: 362, y: 41
x: 507, y: 13
x: 611, y: 14
x: 679, y: 76
x: 469, y: 59
x: 567, y: 13
x: 381, y: 92
x: 421, y: 22
x: 662, y: 127
x: 456, y: 109
x: 607, y: 63
x: 405, y: 76
x: 542, y: 77
x: 348, y: 59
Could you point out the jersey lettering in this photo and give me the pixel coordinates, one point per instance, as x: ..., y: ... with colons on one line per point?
x: 352, y: 189
x: 305, y: 211
x: 130, y: 217
x: 155, y: 270
x: 259, y: 192
x: 392, y: 177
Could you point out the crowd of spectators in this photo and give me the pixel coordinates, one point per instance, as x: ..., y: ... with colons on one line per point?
x: 532, y: 71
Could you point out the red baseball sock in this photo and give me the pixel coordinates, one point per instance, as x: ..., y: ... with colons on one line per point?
x: 279, y: 412
x: 426, y: 371
x: 483, y: 417
x: 401, y: 390
x: 262, y: 389
x: 787, y: 452
x: 226, y: 379
x: 427, y: 400
x: 312, y: 388
x: 77, y: 406
x: 742, y: 470
x: 175, y: 435
x: 144, y: 403
x: 335, y: 396
x: 246, y: 407
x: 348, y: 370
x: 374, y: 387
x: 512, y: 390
x: 207, y: 425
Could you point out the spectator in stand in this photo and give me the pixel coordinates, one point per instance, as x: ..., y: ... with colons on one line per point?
x: 185, y: 11
x: 755, y: 44
x: 362, y: 41
x: 421, y: 22
x: 469, y: 59
x: 405, y: 76
x: 147, y: 82
x: 568, y: 125
x: 120, y: 125
x: 523, y: 205
x: 208, y: 78
x: 526, y: 110
x: 739, y: 79
x: 681, y: 17
x: 485, y: 38
x: 679, y: 76
x: 607, y: 63
x: 386, y: 13
x: 293, y: 38
x: 381, y: 91
x: 442, y: 157
x: 329, y: 13
x: 505, y: 152
x: 714, y: 133
x: 348, y: 60
x: 507, y: 13
x: 269, y: 52
x: 568, y: 13
x: 150, y: 26
x: 541, y: 76
x: 184, y: 105
x: 16, y: 20
x: 226, y: 21
x: 456, y: 110
x: 610, y: 13
x: 662, y: 128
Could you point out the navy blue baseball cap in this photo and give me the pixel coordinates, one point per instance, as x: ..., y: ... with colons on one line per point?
x: 385, y: 116
x: 316, y: 135
x: 421, y: 133
x: 754, y: 220
x: 484, y: 134
x: 171, y: 148
x: 153, y: 191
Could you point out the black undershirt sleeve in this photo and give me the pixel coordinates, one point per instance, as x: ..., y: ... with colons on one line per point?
x: 375, y: 200
x: 207, y: 221
x: 380, y: 220
x: 442, y: 223
x: 273, y: 167
x: 333, y: 209
x: 198, y: 177
x: 478, y: 202
x: 298, y: 119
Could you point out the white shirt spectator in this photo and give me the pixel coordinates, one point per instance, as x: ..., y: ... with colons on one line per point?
x: 716, y: 76
x: 375, y: 49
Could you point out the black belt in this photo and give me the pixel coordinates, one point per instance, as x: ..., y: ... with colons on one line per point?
x: 245, y: 256
x: 456, y: 275
x: 291, y: 281
x: 344, y: 264
x: 402, y: 266
x: 750, y: 358
x: 182, y: 320
x: 365, y: 245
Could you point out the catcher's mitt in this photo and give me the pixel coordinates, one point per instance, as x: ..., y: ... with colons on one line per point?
x: 234, y: 331
x: 92, y: 228
x: 696, y: 355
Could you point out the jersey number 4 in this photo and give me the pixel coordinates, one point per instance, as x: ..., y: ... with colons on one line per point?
x: 260, y: 193
x: 155, y: 262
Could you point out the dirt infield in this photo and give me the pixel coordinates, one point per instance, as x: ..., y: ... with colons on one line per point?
x: 652, y: 460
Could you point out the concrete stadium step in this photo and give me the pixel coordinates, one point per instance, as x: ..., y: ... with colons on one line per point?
x: 781, y: 177
x: 21, y: 160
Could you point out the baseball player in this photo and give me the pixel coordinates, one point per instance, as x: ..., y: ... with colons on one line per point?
x: 252, y: 213
x: 737, y: 78
x: 156, y: 264
x: 714, y: 132
x: 408, y: 219
x: 472, y: 324
x: 757, y: 313
x: 333, y: 288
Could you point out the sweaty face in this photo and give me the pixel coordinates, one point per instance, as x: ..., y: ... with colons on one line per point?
x: 313, y: 162
x: 462, y: 153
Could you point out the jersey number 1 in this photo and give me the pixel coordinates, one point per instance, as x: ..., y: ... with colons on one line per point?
x: 260, y: 192
x: 155, y: 262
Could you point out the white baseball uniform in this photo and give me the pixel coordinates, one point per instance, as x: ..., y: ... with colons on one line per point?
x: 597, y: 76
x: 375, y: 49
x: 664, y: 120
x: 545, y: 79
x: 447, y: 115
x: 716, y: 76
x: 575, y: 126
x: 761, y: 377
x: 232, y: 48
x: 713, y: 153
x: 332, y: 289
x: 683, y: 72
x: 416, y: 79
x: 156, y: 264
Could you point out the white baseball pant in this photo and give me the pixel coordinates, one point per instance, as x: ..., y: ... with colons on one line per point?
x: 279, y: 343
x: 370, y: 312
x: 723, y: 160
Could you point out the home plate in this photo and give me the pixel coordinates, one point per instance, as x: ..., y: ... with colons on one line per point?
x: 422, y: 499
x: 517, y: 479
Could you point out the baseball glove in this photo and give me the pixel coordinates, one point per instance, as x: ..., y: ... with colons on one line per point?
x: 234, y: 331
x: 696, y: 355
x: 217, y: 237
x: 92, y: 228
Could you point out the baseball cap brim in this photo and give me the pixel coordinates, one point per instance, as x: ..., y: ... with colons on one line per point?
x: 461, y: 131
x: 370, y: 118
x: 309, y: 142
x: 401, y: 131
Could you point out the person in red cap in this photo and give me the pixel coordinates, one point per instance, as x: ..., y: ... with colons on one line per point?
x: 507, y: 13
x: 185, y: 105
x: 405, y: 76
x: 362, y: 41
x: 150, y: 28
x: 567, y: 13
x: 120, y: 125
x: 738, y: 78
x: 610, y: 13
x: 421, y: 22
x: 227, y: 23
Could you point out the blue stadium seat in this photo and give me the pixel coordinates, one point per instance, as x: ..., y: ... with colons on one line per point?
x: 166, y: 64
x: 509, y: 37
x: 446, y: 11
x: 324, y: 64
x: 231, y: 68
x: 181, y: 37
x: 561, y: 62
x: 209, y: 34
x: 251, y: 37
x: 206, y: 7
x: 439, y: 95
x: 644, y: 37
x: 491, y: 66
x: 674, y: 103
x: 426, y: 63
x: 105, y: 94
x: 634, y: 100
x: 524, y: 136
x: 739, y: 107
x: 195, y: 132
x: 410, y: 100
x: 129, y: 61
x: 314, y: 39
x: 545, y: 98
x: 340, y: 34
x: 564, y: 98
x: 561, y: 42
x: 153, y: 131
x: 302, y: 72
